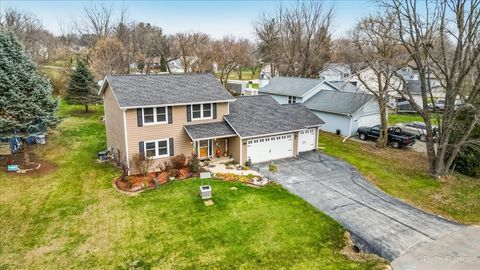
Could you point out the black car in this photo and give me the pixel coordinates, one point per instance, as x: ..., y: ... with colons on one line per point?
x: 395, y: 138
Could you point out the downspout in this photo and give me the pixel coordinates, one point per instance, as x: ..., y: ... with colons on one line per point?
x: 126, y: 139
x: 349, y: 129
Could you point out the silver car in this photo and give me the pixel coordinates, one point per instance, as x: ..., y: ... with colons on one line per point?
x: 416, y: 128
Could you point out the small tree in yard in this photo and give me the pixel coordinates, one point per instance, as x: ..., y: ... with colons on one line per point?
x: 272, y: 168
x: 26, y: 104
x: 82, y: 89
x: 143, y: 165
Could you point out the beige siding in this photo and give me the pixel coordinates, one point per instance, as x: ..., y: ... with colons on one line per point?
x: 114, y: 125
x: 244, y: 151
x: 182, y: 143
x: 234, y: 148
x: 295, y: 143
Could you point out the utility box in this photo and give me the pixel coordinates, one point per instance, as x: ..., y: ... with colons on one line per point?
x: 206, y: 192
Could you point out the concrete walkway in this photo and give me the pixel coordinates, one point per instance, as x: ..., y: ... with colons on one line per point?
x: 378, y: 223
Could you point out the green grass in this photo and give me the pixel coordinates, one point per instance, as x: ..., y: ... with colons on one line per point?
x: 74, y: 219
x: 402, y: 173
x: 246, y: 75
x: 403, y: 118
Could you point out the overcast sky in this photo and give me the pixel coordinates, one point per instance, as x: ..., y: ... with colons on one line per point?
x: 217, y: 18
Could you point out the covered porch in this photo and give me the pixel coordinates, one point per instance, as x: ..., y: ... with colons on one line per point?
x: 213, y: 140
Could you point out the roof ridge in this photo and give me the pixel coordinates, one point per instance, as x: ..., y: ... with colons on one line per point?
x: 164, y: 74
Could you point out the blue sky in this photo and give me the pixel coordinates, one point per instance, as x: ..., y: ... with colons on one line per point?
x: 217, y: 18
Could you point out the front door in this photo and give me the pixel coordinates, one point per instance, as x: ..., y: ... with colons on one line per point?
x: 204, y: 148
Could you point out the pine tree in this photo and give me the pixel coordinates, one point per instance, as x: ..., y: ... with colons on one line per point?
x: 82, y: 89
x: 26, y: 104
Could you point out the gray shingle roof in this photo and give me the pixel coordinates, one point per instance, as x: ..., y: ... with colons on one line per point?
x: 289, y: 86
x: 261, y: 115
x: 209, y: 130
x: 337, y: 102
x: 146, y: 90
x: 346, y: 86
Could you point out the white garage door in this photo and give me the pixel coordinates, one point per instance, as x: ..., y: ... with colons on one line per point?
x: 369, y: 120
x: 306, y: 140
x: 270, y: 148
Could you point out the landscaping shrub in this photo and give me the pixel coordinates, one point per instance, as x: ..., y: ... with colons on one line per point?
x: 178, y: 161
x: 193, y: 163
x: 142, y: 164
x: 467, y: 161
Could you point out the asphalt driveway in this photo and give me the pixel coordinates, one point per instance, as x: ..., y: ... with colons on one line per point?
x: 378, y: 223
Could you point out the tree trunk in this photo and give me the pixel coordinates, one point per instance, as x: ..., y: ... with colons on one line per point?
x: 26, y: 153
x: 383, y: 138
x: 86, y: 108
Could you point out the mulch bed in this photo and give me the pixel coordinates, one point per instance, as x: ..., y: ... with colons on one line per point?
x: 38, y: 167
x: 135, y: 183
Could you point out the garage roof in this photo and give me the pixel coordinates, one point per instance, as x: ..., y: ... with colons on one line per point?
x: 252, y: 116
x: 210, y: 130
x: 338, y: 102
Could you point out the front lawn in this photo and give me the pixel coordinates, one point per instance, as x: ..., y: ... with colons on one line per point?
x: 402, y: 173
x: 73, y: 218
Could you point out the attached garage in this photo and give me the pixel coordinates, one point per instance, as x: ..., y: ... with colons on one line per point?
x: 270, y: 148
x: 306, y: 140
x: 368, y: 120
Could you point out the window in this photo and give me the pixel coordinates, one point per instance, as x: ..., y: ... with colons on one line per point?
x: 150, y: 149
x: 161, y: 114
x: 292, y: 99
x: 156, y: 149
x: 201, y: 111
x: 155, y: 115
x: 148, y: 116
x: 207, y: 110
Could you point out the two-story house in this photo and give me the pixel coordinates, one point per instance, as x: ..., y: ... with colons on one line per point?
x: 160, y: 116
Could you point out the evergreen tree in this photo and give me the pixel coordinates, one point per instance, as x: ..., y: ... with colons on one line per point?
x: 82, y: 89
x: 26, y: 104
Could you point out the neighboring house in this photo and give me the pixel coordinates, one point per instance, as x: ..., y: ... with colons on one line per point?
x: 344, y: 112
x: 237, y: 87
x: 160, y: 116
x: 335, y: 72
x: 345, y: 106
x: 293, y: 90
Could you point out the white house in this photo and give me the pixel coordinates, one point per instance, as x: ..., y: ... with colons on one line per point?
x: 341, y: 105
x: 335, y: 72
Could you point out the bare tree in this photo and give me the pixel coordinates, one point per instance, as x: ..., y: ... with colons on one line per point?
x: 376, y: 46
x: 98, y: 21
x: 38, y: 42
x: 302, y: 31
x: 229, y: 53
x: 188, y: 45
x: 268, y: 34
x: 442, y: 38
x: 108, y: 57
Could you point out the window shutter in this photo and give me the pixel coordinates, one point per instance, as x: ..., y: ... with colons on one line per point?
x: 141, y: 149
x: 214, y: 110
x: 170, y: 116
x: 139, y: 117
x: 189, y: 113
x: 170, y: 145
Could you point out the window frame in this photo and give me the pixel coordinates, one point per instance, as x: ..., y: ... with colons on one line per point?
x: 292, y: 99
x: 202, y: 112
x: 157, y: 156
x: 155, y: 113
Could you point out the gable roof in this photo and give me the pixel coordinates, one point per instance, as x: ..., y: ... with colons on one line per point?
x: 209, y: 130
x: 346, y: 86
x: 345, y: 103
x: 261, y: 115
x: 134, y: 91
x: 289, y: 86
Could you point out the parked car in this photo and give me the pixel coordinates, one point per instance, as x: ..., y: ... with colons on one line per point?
x: 418, y: 129
x: 396, y: 138
x: 440, y: 104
